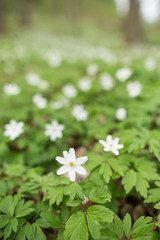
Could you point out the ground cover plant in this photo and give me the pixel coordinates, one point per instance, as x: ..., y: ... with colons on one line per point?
x: 79, y: 141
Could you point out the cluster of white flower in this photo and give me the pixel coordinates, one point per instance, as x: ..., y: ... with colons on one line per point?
x: 72, y: 165
x: 92, y: 69
x: 13, y: 130
x: 123, y: 74
x: 69, y: 91
x: 84, y: 84
x: 150, y: 64
x: 54, y: 59
x: 79, y: 112
x: 134, y: 89
x: 62, y: 102
x: 34, y: 80
x: 39, y: 101
x: 11, y: 89
x: 107, y: 82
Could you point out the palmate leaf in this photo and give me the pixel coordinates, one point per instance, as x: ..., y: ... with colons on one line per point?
x: 154, y: 147
x: 76, y: 227
x: 13, y: 209
x: 129, y: 180
x: 100, y: 195
x: 141, y: 230
x: 106, y: 171
x: 74, y: 190
x: 55, y: 195
x: 97, y: 217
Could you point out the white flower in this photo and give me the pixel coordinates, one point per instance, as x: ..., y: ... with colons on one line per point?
x: 123, y: 74
x: 54, y: 130
x: 79, y: 112
x: 33, y: 79
x: 150, y: 64
x: 121, y: 114
x: 134, y: 89
x: 72, y: 165
x: 13, y: 129
x: 107, y: 82
x: 69, y: 91
x: 39, y: 101
x: 62, y: 102
x: 54, y: 60
x: 92, y: 69
x: 11, y: 89
x: 43, y: 85
x: 111, y: 145
x: 84, y: 84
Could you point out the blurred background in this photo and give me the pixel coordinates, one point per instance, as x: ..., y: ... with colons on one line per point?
x: 131, y: 21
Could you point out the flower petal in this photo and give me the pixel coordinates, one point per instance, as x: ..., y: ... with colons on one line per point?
x: 67, y: 156
x: 61, y: 160
x: 80, y: 170
x: 72, y: 153
x: 63, y: 170
x: 116, y: 140
x: 109, y: 138
x: 115, y: 151
x: 72, y: 175
x: 102, y: 142
x: 120, y: 146
x: 81, y: 160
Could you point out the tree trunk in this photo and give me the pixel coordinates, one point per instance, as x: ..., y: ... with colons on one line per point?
x: 2, y: 17
x: 25, y: 14
x: 133, y: 23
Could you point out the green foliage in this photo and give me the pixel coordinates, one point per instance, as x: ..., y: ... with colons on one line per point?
x: 36, y: 203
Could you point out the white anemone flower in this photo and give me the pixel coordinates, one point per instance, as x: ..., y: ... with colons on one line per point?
x: 39, y: 101
x: 13, y: 129
x: 54, y: 130
x: 43, y: 85
x: 62, y: 102
x: 72, y: 165
x: 134, y: 89
x: 150, y: 64
x: 84, y: 84
x: 79, y: 112
x: 92, y: 69
x: 121, y: 114
x: 32, y: 79
x: 107, y: 82
x: 11, y: 89
x: 54, y: 60
x: 123, y: 74
x: 111, y: 145
x: 69, y: 91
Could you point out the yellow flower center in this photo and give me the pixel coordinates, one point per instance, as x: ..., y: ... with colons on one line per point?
x: 110, y: 144
x: 71, y: 164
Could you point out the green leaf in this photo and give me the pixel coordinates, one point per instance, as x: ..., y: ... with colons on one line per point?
x: 142, y: 226
x: 37, y: 233
x: 116, y: 165
x: 4, y: 220
x: 127, y: 223
x: 55, y: 195
x: 52, y: 219
x: 3, y: 188
x: 76, y: 227
x: 94, y: 226
x: 23, y: 209
x: 129, y: 180
x: 153, y: 195
x: 74, y: 190
x: 154, y: 147
x: 12, y: 226
x: 106, y: 171
x: 97, y: 216
x: 100, y: 195
x: 8, y: 204
x: 142, y: 185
